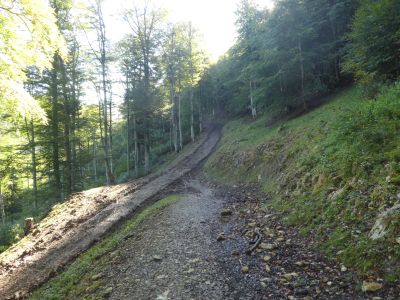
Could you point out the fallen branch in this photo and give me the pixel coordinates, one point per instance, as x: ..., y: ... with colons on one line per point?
x: 256, y: 241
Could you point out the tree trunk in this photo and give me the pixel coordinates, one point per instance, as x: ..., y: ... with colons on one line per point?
x: 62, y: 182
x: 147, y: 100
x: 54, y: 126
x: 192, y: 135
x: 252, y: 105
x: 110, y: 133
x: 336, y: 63
x: 76, y: 172
x: 146, y: 152
x: 76, y: 166
x: 106, y: 142
x: 180, y: 123
x: 94, y: 159
x: 34, y: 171
x: 200, y: 109
x: 128, y: 141
x: 302, y: 76
x: 3, y: 211
x: 200, y: 117
x: 191, y: 67
x: 173, y: 117
x: 67, y: 129
x: 280, y: 77
x: 135, y: 137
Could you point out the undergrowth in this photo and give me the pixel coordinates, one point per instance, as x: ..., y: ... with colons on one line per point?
x: 332, y: 171
x: 79, y: 280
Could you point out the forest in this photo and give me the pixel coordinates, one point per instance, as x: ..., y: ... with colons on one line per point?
x: 52, y: 143
x: 54, y: 54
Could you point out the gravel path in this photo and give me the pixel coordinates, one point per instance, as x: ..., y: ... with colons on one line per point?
x: 175, y: 255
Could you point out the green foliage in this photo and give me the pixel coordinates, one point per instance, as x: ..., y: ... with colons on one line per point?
x: 372, y: 129
x: 292, y: 54
x: 374, y: 42
x: 28, y: 36
x: 10, y: 234
x: 76, y: 282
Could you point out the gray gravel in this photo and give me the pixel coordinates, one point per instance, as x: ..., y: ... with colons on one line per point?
x: 175, y: 255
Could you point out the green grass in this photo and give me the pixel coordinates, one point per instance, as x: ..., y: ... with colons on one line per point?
x: 332, y: 171
x: 77, y: 282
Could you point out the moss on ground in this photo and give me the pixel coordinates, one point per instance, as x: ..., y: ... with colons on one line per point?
x: 82, y: 279
x: 332, y: 171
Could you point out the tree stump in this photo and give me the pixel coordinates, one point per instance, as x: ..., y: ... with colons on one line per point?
x: 28, y: 225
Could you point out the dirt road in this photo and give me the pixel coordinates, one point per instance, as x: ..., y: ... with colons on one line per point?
x: 177, y: 255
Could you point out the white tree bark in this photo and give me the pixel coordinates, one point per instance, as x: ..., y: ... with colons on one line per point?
x: 252, y: 104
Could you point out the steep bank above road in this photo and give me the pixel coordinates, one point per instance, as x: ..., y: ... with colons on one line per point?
x: 62, y: 236
x: 334, y: 171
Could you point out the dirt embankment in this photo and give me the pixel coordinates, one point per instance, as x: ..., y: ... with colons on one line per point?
x: 74, y: 226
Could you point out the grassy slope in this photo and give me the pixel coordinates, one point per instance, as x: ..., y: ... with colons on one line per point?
x: 79, y: 281
x: 332, y: 171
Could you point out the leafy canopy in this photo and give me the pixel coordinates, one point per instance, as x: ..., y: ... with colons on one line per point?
x: 374, y: 48
x: 28, y: 37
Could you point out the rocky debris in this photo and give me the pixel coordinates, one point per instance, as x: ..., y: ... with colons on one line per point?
x: 235, y: 252
x: 295, y: 268
x: 267, y: 246
x: 336, y: 194
x: 157, y: 258
x: 371, y: 286
x: 382, y: 222
x: 226, y: 212
x: 300, y: 263
x: 289, y: 276
x: 266, y: 258
x: 97, y: 276
x: 245, y: 269
x: 221, y: 237
x: 267, y: 268
x: 108, y: 291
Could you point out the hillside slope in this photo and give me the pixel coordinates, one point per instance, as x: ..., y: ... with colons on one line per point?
x: 334, y: 172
